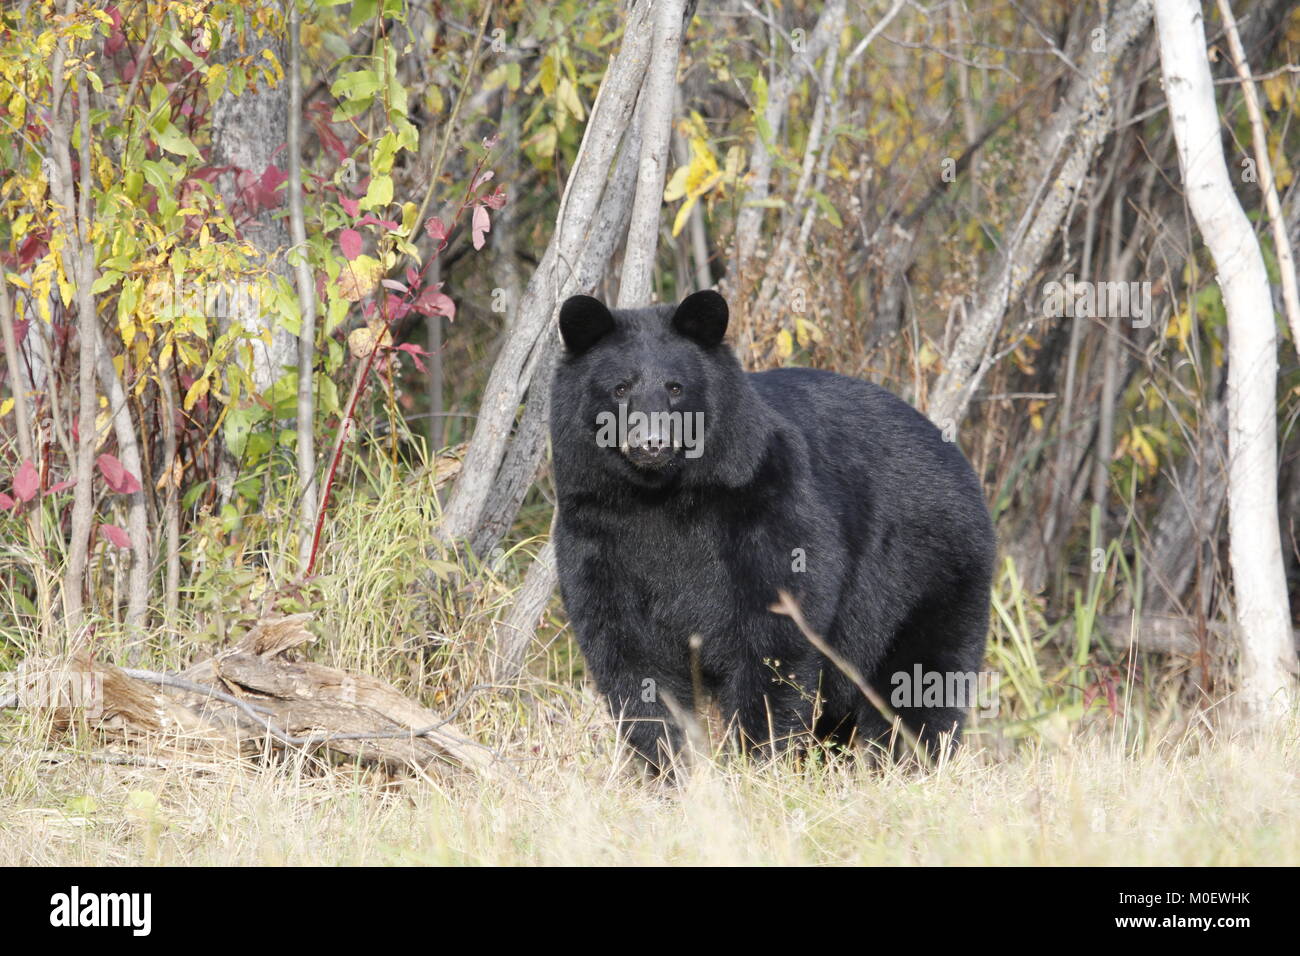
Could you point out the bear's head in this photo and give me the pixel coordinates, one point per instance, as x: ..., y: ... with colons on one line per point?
x: 642, y: 388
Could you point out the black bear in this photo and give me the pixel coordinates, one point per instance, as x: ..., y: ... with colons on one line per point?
x: 690, y: 492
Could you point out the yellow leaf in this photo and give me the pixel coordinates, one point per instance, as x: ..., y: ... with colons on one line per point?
x: 362, y: 341
x: 679, y: 221
x: 358, y: 278
x: 784, y: 344
x: 6, y: 407
x: 676, y: 187
x: 196, y: 391
x: 568, y: 96
x: 807, y: 333
x: 171, y: 476
x: 1275, y: 88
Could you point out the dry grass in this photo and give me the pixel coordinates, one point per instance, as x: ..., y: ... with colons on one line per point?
x: 1201, y: 800
x: 1053, y: 781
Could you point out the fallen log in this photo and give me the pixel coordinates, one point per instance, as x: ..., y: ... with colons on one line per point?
x: 1167, y: 634
x: 244, y: 699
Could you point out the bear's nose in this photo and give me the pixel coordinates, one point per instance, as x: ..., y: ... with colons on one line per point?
x: 656, y: 443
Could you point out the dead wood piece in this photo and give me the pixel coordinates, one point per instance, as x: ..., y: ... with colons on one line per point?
x: 285, y: 687
x: 1163, y: 634
x: 247, y: 693
x: 79, y: 689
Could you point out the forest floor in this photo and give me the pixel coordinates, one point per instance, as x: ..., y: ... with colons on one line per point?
x: 1149, y: 780
x: 1203, y: 799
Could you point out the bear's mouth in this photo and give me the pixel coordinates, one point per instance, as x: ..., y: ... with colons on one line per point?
x: 650, y: 457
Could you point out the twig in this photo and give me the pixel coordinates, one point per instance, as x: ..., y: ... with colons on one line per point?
x: 788, y: 606
x: 180, y: 683
x: 1281, y: 244
x: 451, y: 122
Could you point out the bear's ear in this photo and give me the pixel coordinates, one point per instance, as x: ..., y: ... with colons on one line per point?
x: 584, y: 321
x: 702, y: 317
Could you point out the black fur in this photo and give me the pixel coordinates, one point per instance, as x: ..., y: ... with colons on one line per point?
x: 891, y: 519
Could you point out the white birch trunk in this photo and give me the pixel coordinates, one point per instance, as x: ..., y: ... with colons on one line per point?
x: 1267, y: 654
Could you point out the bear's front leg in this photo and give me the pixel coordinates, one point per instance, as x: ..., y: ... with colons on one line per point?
x: 772, y: 700
x: 639, y: 692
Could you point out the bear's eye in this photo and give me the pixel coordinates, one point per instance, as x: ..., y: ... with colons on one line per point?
x: 620, y: 390
x: 674, y: 389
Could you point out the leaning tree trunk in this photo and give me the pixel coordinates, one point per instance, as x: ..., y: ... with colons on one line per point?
x: 656, y: 130
x: 557, y: 276
x: 643, y: 166
x: 1070, y: 145
x: 1254, y: 541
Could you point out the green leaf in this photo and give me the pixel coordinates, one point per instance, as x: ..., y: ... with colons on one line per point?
x: 174, y: 141
x: 363, y: 11
x: 380, y: 192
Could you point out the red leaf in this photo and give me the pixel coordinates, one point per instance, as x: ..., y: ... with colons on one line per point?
x: 350, y: 243
x: 371, y: 220
x: 34, y: 247
x: 351, y: 206
x: 26, y: 482
x: 415, y: 352
x: 61, y: 486
x: 115, y: 536
x: 436, y: 230
x: 396, y: 309
x: 329, y: 139
x: 482, y: 224
x: 268, y: 194
x: 119, y: 479
x: 6, y: 503
x: 434, y: 302
x: 496, y: 199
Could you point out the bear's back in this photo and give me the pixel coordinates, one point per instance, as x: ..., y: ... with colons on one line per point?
x: 880, y: 459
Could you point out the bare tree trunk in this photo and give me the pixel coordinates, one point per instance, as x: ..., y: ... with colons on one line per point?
x: 1254, y: 538
x: 793, y: 244
x: 780, y: 82
x: 435, y: 345
x: 128, y: 446
x: 306, y: 438
x: 1072, y: 138
x: 657, y: 116
x: 554, y: 279
x: 18, y: 385
x: 1110, y: 371
x: 524, y: 456
x: 82, y: 256
x: 17, y: 377
x: 513, y: 634
x: 1188, y: 515
x: 171, y: 499
x: 1267, y: 184
x: 654, y: 121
